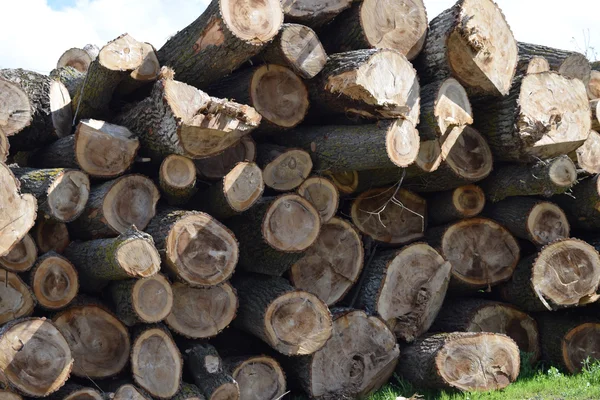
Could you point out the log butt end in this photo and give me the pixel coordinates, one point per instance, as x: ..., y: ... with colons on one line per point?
x: 22, y: 257
x: 152, y: 298
x: 588, y: 155
x: 468, y: 200
x: 288, y: 170
x: 267, y: 18
x: 178, y: 172
x: 467, y: 153
x: 55, y: 282
x: 322, y: 194
x: 68, y: 195
x: 16, y: 107
x: 578, y: 344
x: 17, y: 298
x: 243, y: 186
x: 138, y: 257
x: 264, y: 370
x: 546, y: 223
x: 402, y: 143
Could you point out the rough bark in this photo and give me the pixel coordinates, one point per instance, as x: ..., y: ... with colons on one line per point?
x: 54, y: 281
x: 313, y: 13
x: 215, y: 168
x: 50, y: 235
x: 588, y: 155
x: 322, y: 194
x: 177, y: 179
x: 17, y: 298
x: 124, y: 390
x: 568, y: 63
x: 70, y: 77
x: 22, y: 256
x: 259, y: 377
x: 460, y: 203
x: 581, y: 204
x: 284, y: 169
x: 207, y: 370
x: 188, y: 391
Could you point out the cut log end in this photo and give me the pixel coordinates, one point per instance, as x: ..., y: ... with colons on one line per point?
x: 402, y: 143
x: 302, y: 50
x: 467, y: 154
x: 267, y: 18
x: 260, y: 377
x: 323, y: 195
x: 588, y: 155
x: 178, y: 171
x: 17, y: 299
x: 452, y: 106
x: 152, y: 298
x: 6, y: 395
x: 538, y: 64
x: 345, y: 181
x: 546, y: 223
x: 243, y: 186
x: 129, y: 392
x: 138, y: 257
x: 303, y: 10
x: 16, y: 110
x: 576, y: 66
x: 22, y: 257
x: 50, y: 235
x: 430, y: 157
x: 122, y: 54
x: 68, y: 195
x: 468, y: 200
x: 76, y: 58
x: 579, y: 344
x: 594, y: 85
x: 563, y: 172
x: 218, y: 166
x: 288, y: 170
x: 84, y: 394
x: 149, y: 70
x: 55, y: 282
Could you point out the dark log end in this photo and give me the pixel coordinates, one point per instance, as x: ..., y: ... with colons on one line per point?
x: 284, y: 169
x: 218, y: 166
x: 546, y: 223
x: 259, y: 377
x: 50, y: 235
x: 467, y: 154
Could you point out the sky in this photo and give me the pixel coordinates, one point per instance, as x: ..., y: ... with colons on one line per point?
x: 34, y: 33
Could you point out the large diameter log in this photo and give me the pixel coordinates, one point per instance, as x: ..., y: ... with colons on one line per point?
x: 538, y: 283
x: 187, y: 391
x: 177, y: 179
x: 195, y: 248
x: 259, y: 377
x: 406, y: 289
x: 568, y: 63
x: 374, y: 84
x: 22, y: 256
x: 54, y: 281
x: 595, y: 106
x: 61, y: 193
x: 209, y: 374
x: 463, y: 202
x: 588, y: 155
x: 469, y: 361
x: 340, y: 148
x: 359, y: 358
x: 116, y: 205
x: 482, y: 252
x: 313, y: 13
x: 179, y: 119
x: 581, y: 205
x: 200, y: 313
x: 17, y: 297
x: 473, y: 43
x: 147, y: 72
x: 51, y: 235
x: 216, y: 167
x: 17, y: 211
x: 36, y: 110
x: 156, y: 362
x: 35, y: 359
x: 332, y: 265
x: 479, y: 315
x: 291, y: 321
x: 322, y: 194
x: 99, y: 149
x: 540, y: 222
x: 99, y: 342
x: 390, y: 215
x: 221, y: 40
x: 146, y: 300
x: 284, y: 169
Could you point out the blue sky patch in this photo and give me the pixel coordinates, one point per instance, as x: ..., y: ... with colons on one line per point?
x: 61, y: 4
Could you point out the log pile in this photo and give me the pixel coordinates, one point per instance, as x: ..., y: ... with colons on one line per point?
x: 303, y: 194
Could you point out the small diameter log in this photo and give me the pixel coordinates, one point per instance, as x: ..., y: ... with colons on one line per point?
x: 147, y: 72
x: 130, y: 255
x: 200, y: 313
x: 99, y: 149
x: 4, y: 146
x: 187, y: 391
x: 36, y: 110
x: 284, y: 169
x: 235, y: 193
x: 130, y: 392
x: 216, y: 167
x: 62, y: 194
x: 276, y: 92
x: 115, y: 206
x: 359, y: 358
x: 17, y: 298
x: 50, y: 235
x: 460, y: 203
x: 291, y: 321
x: 372, y: 84
x: 594, y: 85
x: 479, y: 315
x: 339, y: 148
x: 565, y: 273
x: 54, y: 281
x: 35, y: 359
x: 99, y: 342
x: 588, y: 155
x: 274, y: 235
x: 207, y: 370
x: 259, y: 377
x: 177, y: 179
x: 466, y: 361
x: 473, y: 43
x: 322, y: 194
x: 6, y: 395
x: 146, y: 300
x: 195, y: 248
x: 595, y: 106
x: 76, y: 58
x: 568, y: 63
x: 540, y: 222
x: 390, y: 215
x: 298, y: 48
x: 332, y: 265
x: 401, y: 26
x: 22, y: 256
x: 482, y: 252
x: 581, y: 205
x: 545, y: 178
x: 156, y: 362
x: 313, y: 13
x: 179, y: 119
x: 72, y: 391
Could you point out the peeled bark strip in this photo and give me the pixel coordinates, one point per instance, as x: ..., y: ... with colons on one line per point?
x: 359, y: 358
x: 218, y: 166
x: 188, y: 391
x: 297, y: 47
x: 146, y: 73
x: 568, y: 63
x: 194, y: 247
x: 54, y: 281
x: 221, y: 40
x: 76, y: 58
x: 276, y: 92
x: 479, y: 315
x: 17, y: 298
x: 473, y: 43
x: 116, y: 205
x: 100, y: 149
x: 179, y: 119
x: 17, y: 211
x: 156, y: 362
x: 540, y: 222
x: 61, y: 194
x: 563, y: 274
x: 595, y: 106
x: 373, y: 84
x: 398, y: 25
x: 332, y: 265
x: 259, y: 377
x: 36, y: 110
x: 322, y: 194
x: 339, y: 148
x: 460, y: 203
x: 35, y: 359
x: 284, y: 169
x: 146, y: 300
x: 313, y: 13
x: 50, y: 235
x: 588, y: 155
x: 479, y: 361
x: 22, y: 256
x: 130, y: 255
x: 390, y: 215
x: 237, y: 192
x: 177, y: 179
x: 207, y: 370
x: 200, y: 313
x: 581, y: 205
x: 99, y: 342
x: 72, y: 391
x: 292, y: 322
x: 545, y: 178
